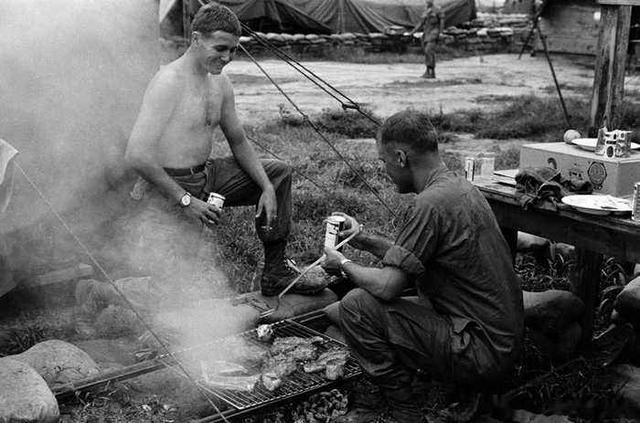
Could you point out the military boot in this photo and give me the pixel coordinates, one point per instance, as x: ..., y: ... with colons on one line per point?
x: 278, y: 274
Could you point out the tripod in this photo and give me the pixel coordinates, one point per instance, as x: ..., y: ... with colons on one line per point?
x: 543, y: 39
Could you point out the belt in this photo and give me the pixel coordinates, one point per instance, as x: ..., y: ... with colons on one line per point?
x: 184, y: 171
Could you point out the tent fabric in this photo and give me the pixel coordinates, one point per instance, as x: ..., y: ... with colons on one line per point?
x: 340, y: 16
x: 274, y: 16
x: 367, y: 16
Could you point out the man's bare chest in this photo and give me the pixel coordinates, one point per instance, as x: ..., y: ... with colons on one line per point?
x: 200, y: 108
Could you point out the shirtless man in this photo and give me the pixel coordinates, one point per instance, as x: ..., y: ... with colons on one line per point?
x: 172, y: 139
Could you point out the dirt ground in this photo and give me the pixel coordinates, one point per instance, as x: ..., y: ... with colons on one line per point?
x: 386, y: 88
x: 463, y: 83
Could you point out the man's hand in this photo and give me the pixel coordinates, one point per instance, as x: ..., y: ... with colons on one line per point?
x: 351, y: 226
x: 205, y: 212
x: 268, y: 205
x: 331, y: 263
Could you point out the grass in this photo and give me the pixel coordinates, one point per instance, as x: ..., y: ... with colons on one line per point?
x: 340, y: 188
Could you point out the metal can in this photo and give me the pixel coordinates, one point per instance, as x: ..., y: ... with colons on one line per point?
x: 469, y: 168
x: 216, y: 200
x: 635, y: 202
x: 335, y: 224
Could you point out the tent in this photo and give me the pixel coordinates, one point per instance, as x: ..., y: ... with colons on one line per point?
x: 333, y: 16
x: 275, y: 16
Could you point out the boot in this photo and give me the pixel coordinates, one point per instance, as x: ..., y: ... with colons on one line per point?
x: 431, y: 72
x: 278, y: 274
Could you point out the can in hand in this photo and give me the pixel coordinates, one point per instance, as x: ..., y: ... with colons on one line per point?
x: 635, y: 202
x: 216, y: 200
x: 335, y: 224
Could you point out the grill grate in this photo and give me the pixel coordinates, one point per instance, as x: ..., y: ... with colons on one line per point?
x: 296, y: 384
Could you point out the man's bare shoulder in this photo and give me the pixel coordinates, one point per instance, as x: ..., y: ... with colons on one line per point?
x: 167, y: 81
x: 222, y: 83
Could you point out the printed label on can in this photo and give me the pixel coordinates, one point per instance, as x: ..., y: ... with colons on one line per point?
x: 216, y: 200
x: 334, y: 226
x: 469, y: 168
x: 635, y: 203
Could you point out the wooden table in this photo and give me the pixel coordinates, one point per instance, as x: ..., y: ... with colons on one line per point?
x: 593, y: 237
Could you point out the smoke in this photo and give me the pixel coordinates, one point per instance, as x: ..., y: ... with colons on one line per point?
x: 72, y: 78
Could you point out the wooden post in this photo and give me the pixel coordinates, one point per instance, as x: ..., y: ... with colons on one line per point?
x: 608, y: 85
x: 585, y: 280
x: 186, y: 21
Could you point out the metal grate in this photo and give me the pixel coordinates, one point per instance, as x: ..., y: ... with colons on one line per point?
x: 294, y: 385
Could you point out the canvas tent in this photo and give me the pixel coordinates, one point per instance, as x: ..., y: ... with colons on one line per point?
x: 335, y: 16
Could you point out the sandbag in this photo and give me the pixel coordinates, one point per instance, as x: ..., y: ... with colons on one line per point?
x: 333, y: 312
x: 58, y: 362
x: 24, y: 395
x: 207, y: 320
x: 116, y: 321
x: 627, y: 303
x: 551, y: 311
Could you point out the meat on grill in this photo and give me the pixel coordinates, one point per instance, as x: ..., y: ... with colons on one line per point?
x: 332, y: 362
x: 239, y: 351
x: 276, y: 369
x: 226, y: 375
x: 286, y: 344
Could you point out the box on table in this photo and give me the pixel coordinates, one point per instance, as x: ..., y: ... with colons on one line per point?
x: 614, y: 176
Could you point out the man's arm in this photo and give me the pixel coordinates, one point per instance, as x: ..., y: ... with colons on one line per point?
x: 418, y: 26
x: 386, y: 283
x: 373, y: 244
x: 244, y: 152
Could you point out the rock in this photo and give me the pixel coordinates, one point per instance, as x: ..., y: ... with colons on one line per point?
x: 524, y: 416
x: 334, y: 332
x: 560, y: 347
x: 205, y: 321
x: 116, y: 321
x: 58, y: 362
x: 629, y: 387
x: 566, y: 251
x: 294, y: 305
x: 93, y: 296
x: 24, y: 395
x: 551, y: 312
x: 627, y: 303
x: 333, y: 312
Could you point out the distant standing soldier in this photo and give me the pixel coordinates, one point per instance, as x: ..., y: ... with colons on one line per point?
x: 433, y: 22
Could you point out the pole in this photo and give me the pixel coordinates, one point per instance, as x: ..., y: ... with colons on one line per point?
x: 543, y: 39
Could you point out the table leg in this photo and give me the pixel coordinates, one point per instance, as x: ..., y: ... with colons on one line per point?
x: 511, y: 235
x: 585, y: 280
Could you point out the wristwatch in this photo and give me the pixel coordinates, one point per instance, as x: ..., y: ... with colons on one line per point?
x: 185, y: 200
x: 342, y: 263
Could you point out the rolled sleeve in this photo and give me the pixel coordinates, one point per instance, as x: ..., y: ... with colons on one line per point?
x: 403, y: 259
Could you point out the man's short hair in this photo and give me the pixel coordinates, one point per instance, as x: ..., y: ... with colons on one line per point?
x: 410, y: 128
x: 214, y: 17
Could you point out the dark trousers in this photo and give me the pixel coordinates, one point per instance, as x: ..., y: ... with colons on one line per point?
x: 225, y: 176
x: 393, y: 340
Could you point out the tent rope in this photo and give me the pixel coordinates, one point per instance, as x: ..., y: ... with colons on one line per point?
x: 274, y: 155
x: 322, y: 136
x: 311, y: 76
x: 111, y: 282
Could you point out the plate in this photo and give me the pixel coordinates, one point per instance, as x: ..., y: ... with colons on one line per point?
x: 589, y: 144
x: 598, y: 204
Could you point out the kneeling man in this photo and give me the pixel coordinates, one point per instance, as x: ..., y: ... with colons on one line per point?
x: 466, y: 325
